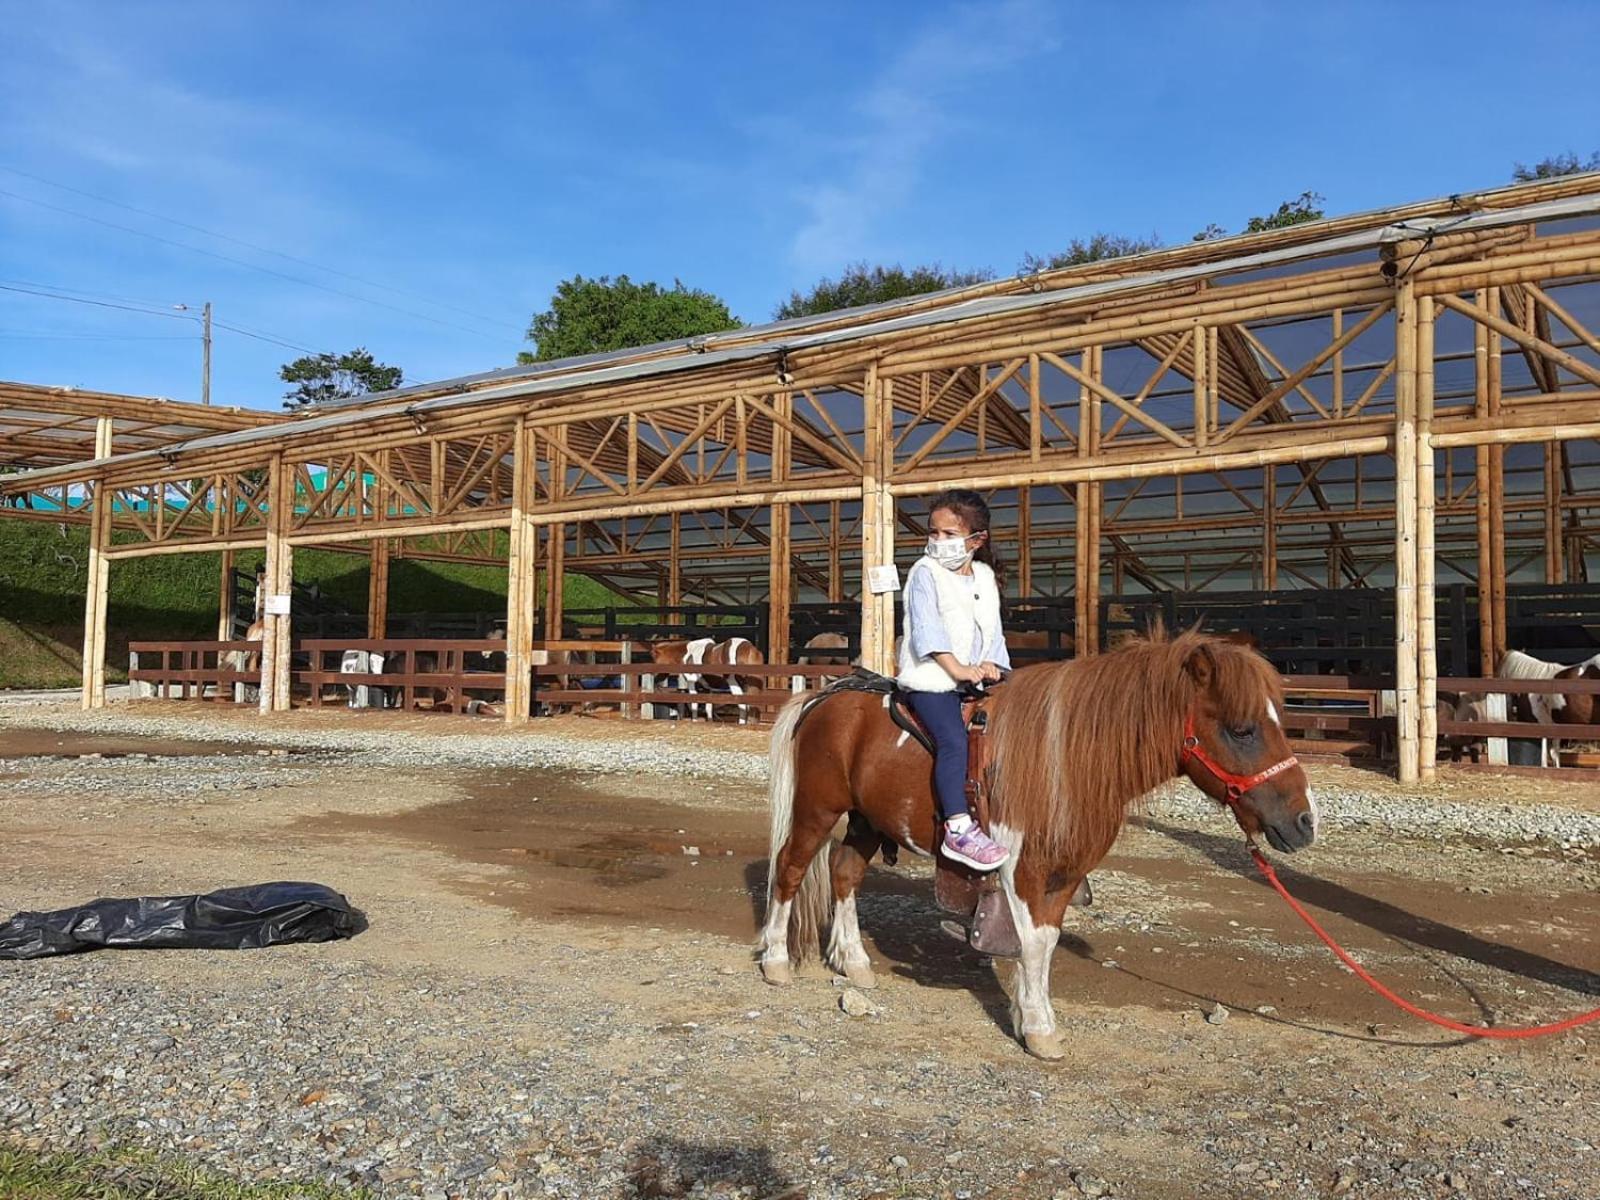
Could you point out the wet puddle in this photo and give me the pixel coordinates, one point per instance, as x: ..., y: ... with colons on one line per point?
x: 51, y: 743
x: 574, y: 851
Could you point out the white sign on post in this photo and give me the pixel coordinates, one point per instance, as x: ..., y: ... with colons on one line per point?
x: 278, y: 606
x: 883, y: 579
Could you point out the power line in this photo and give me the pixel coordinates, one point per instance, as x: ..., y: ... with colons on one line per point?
x: 265, y: 337
x: 259, y: 335
x: 42, y: 335
x: 250, y: 266
x: 50, y: 295
x: 61, y: 287
x: 304, y: 262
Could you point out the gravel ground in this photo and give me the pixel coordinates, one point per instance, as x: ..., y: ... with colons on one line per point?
x: 1347, y: 799
x: 463, y: 1048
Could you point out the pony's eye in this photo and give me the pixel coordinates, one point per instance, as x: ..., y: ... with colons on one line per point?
x: 1243, y: 732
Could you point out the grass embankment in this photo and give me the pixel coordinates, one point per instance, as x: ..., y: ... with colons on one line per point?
x: 174, y: 596
x: 135, y: 1175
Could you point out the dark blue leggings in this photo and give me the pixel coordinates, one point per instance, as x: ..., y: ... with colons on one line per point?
x: 941, y: 713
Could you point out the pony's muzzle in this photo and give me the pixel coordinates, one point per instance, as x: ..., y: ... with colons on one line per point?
x: 1291, y: 833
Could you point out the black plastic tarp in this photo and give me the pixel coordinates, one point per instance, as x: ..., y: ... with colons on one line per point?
x: 243, y: 918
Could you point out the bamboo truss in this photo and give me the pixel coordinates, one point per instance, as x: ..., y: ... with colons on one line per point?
x: 1346, y: 404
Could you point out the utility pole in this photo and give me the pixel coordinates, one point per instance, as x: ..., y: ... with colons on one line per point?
x: 205, y: 357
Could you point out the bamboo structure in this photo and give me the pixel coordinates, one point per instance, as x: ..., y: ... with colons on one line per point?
x: 97, y: 589
x: 1405, y: 527
x: 1426, y: 491
x: 276, y: 628
x: 521, y: 581
x: 378, y: 588
x: 1392, y: 400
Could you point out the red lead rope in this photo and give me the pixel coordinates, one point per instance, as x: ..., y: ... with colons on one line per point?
x: 1483, y: 1031
x: 1235, y: 788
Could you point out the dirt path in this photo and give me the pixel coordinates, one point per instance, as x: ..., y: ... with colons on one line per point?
x: 589, y: 937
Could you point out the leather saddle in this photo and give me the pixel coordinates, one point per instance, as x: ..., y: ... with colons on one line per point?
x: 974, y: 895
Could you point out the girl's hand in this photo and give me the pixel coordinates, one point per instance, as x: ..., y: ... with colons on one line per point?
x: 958, y: 670
x: 989, y: 672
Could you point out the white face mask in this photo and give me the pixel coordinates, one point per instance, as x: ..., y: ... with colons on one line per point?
x: 950, y: 553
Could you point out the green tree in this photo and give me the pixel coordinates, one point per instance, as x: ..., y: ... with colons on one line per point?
x: 587, y: 316
x: 1305, y: 207
x: 859, y: 284
x: 1097, y: 248
x: 1555, y: 166
x: 324, y: 377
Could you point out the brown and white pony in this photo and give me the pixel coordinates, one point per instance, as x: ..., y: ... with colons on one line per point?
x: 1075, y: 745
x: 708, y: 654
x: 1548, y: 708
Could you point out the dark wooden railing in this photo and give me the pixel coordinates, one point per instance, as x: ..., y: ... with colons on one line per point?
x: 192, y: 670
x: 1327, y: 715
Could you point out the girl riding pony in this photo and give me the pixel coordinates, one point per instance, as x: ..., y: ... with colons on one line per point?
x: 952, y: 637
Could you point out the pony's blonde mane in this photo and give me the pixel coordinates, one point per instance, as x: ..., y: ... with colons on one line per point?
x: 1076, y: 744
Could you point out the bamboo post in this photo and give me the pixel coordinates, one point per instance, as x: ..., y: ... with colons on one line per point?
x: 1483, y: 500
x: 1024, y: 542
x: 276, y: 630
x: 1553, y: 558
x: 522, y: 575
x: 555, y: 577
x: 1202, y: 406
x: 675, y: 569
x: 97, y: 585
x: 835, y: 547
x: 1096, y: 372
x: 225, y: 597
x: 1269, y: 527
x: 378, y: 588
x: 779, y: 580
x: 1082, y: 640
x: 1497, y: 489
x: 877, y: 525
x: 1213, y: 378
x: 780, y: 567
x: 1035, y: 413
x: 1405, y: 523
x: 1427, y: 630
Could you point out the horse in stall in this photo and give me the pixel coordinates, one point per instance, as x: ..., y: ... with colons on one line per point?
x: 1548, y: 708
x: 707, y: 654
x: 245, y: 660
x: 826, y: 649
x: 1075, y: 746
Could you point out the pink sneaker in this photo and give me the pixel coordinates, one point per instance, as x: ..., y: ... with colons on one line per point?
x: 974, y: 848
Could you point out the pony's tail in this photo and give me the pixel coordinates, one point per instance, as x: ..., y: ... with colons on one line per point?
x: 811, y: 902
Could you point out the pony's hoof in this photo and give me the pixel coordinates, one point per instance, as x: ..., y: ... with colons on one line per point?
x: 1046, y: 1046
x: 861, y: 976
x: 777, y: 973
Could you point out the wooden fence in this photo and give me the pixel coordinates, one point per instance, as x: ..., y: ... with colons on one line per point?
x: 192, y: 670
x: 1340, y: 716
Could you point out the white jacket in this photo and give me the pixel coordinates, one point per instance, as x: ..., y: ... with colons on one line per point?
x: 968, y: 605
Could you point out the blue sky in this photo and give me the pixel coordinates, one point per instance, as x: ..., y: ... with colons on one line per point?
x: 459, y: 160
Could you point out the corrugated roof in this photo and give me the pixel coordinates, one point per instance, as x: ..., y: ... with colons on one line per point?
x: 698, y: 354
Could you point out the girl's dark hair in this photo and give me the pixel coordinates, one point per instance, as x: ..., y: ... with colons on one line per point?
x: 974, y: 511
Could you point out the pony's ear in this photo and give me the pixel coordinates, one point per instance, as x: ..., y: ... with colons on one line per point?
x: 1201, y: 665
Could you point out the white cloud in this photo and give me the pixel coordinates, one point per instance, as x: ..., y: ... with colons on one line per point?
x: 911, y: 110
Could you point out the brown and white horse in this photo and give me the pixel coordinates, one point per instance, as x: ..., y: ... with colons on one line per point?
x: 1075, y: 745
x: 1548, y: 708
x: 708, y: 654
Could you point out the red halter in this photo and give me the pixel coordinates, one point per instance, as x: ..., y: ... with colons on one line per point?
x: 1237, y: 785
